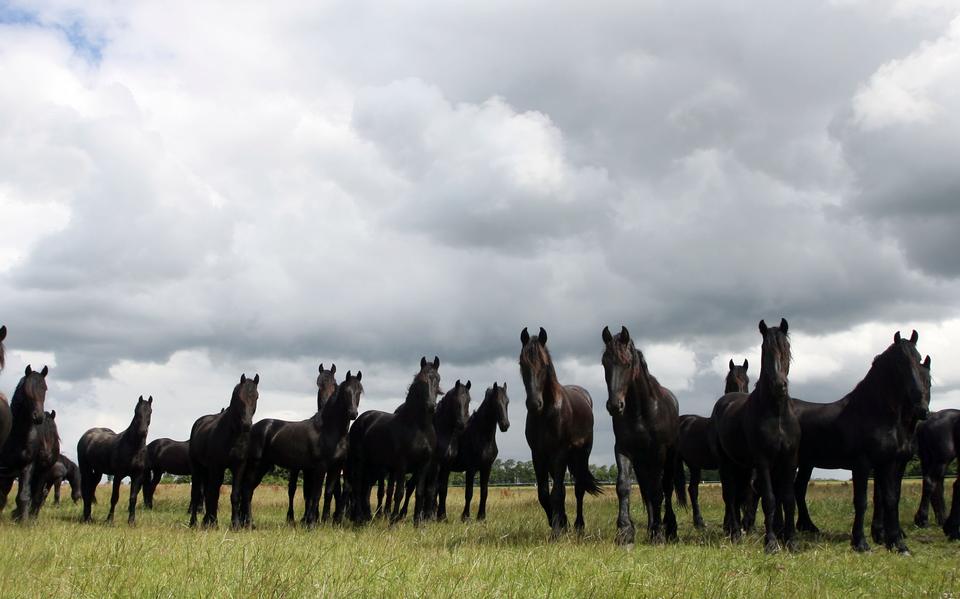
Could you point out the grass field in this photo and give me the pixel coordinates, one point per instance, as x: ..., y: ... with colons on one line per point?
x: 509, y: 555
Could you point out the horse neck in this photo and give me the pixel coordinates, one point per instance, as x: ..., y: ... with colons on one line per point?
x: 487, y: 418
x: 332, y: 417
x: 415, y: 404
x: 641, y: 395
x: 132, y: 434
x: 769, y: 400
x: 876, y: 391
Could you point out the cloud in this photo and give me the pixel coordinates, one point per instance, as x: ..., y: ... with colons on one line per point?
x: 369, y: 184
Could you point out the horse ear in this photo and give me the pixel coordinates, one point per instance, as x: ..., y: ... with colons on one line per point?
x: 320, y: 370
x: 624, y: 333
x: 730, y: 364
x: 524, y: 336
x: 914, y: 337
x: 784, y: 326
x: 256, y: 379
x: 243, y: 377
x: 542, y: 336
x: 53, y: 414
x: 359, y: 375
x: 763, y: 328
x: 745, y: 364
x: 494, y: 385
x: 436, y: 362
x: 44, y: 372
x: 27, y: 371
x: 348, y: 375
x: 423, y: 361
x: 468, y: 384
x: 333, y: 369
x: 504, y: 385
x: 140, y: 398
x: 457, y: 384
x: 926, y: 362
x: 3, y: 332
x: 607, y: 337
x: 150, y: 400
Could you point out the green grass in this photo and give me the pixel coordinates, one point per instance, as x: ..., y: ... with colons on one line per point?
x: 509, y: 555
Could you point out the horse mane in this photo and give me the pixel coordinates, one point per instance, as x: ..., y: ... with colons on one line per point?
x: 873, y: 378
x: 3, y: 358
x: 529, y: 351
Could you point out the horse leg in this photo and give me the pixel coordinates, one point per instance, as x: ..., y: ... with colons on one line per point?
x: 768, y: 500
x: 804, y: 523
x: 857, y: 538
x: 669, y: 516
x: 443, y: 481
x: 56, y: 492
x: 396, y: 484
x: 467, y: 494
x: 150, y: 486
x: 88, y: 490
x: 24, y: 495
x: 951, y: 526
x: 729, y: 490
x: 558, y: 498
x: 136, y: 481
x: 936, y: 493
x: 421, y: 507
x: 409, y: 488
x: 240, y: 516
x: 749, y: 501
x: 211, y: 495
x: 5, y: 485
x: 291, y: 493
x: 787, y: 501
x: 543, y: 487
x: 876, y: 522
x: 38, y: 492
x: 484, y: 487
x: 196, y: 494
x: 887, y: 481
x: 114, y: 496
x: 330, y: 489
x: 310, y: 484
x: 380, y: 506
x: 693, y: 489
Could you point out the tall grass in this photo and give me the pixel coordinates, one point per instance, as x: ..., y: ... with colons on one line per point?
x: 509, y: 555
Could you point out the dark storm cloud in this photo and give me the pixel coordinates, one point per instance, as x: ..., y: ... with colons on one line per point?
x: 377, y: 183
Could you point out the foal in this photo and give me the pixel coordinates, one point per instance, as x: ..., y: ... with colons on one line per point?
x: 477, y: 450
x: 101, y: 451
x: 694, y: 446
x: 559, y: 431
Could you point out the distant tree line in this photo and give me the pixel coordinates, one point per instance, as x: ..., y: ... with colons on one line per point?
x: 517, y: 472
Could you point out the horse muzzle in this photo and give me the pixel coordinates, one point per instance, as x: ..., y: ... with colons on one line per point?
x: 504, y: 425
x: 615, y: 407
x: 38, y: 417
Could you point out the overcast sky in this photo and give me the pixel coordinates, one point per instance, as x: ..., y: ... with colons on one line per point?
x: 191, y: 191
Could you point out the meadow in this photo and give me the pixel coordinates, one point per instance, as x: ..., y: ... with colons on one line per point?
x: 509, y: 555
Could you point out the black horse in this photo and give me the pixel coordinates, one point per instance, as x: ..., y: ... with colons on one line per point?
x: 48, y: 452
x: 449, y: 422
x: 866, y: 430
x: 326, y: 386
x: 25, y: 443
x: 559, y: 431
x: 317, y: 446
x: 63, y: 470
x: 219, y: 442
x: 937, y: 440
x: 6, y: 417
x: 760, y: 432
x: 101, y: 451
x: 477, y: 450
x: 164, y: 456
x: 645, y: 426
x: 694, y: 444
x: 392, y: 445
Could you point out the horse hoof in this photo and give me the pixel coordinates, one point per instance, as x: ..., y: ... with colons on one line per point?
x: 625, y: 536
x: 921, y: 522
x: 861, y: 546
x: 793, y: 546
x: 772, y: 546
x: 699, y: 524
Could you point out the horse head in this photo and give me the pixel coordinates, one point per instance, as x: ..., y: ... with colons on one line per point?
x: 426, y: 385
x: 456, y: 405
x: 737, y: 379
x: 244, y: 400
x: 912, y: 373
x: 775, y: 357
x: 326, y: 385
x: 497, y: 395
x: 536, y: 368
x: 31, y: 393
x: 348, y: 394
x: 620, y: 362
x: 141, y: 416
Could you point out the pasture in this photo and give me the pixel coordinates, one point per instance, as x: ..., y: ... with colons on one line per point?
x: 510, y: 555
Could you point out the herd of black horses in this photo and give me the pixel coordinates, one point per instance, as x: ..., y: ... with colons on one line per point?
x: 764, y: 442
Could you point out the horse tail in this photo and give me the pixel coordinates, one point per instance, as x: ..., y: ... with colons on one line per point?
x: 680, y: 481
x: 583, y: 477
